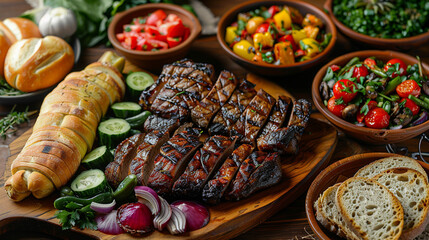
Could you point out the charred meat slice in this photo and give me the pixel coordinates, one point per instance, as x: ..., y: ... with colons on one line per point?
x: 214, y: 189
x: 253, y: 118
x: 259, y: 171
x: 118, y: 169
x: 155, y: 123
x: 231, y: 111
x: 173, y: 159
x: 143, y: 162
x: 204, y: 111
x: 202, y: 166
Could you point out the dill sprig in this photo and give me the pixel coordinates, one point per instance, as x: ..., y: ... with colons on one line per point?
x: 8, y: 124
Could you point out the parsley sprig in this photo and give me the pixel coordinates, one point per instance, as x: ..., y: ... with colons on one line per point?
x: 81, y: 218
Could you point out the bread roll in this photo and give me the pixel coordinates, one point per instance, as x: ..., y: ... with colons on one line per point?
x: 37, y: 63
x: 4, y: 46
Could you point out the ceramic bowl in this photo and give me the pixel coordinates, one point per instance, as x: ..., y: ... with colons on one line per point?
x: 368, y: 135
x: 266, y: 68
x: 337, y: 172
x: 148, y: 60
x: 383, y: 43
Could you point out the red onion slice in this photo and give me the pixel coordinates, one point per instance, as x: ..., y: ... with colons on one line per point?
x: 161, y: 220
x: 197, y: 216
x: 103, y: 208
x: 177, y: 223
x: 107, y: 224
x: 135, y: 218
x: 149, y: 197
x: 421, y: 119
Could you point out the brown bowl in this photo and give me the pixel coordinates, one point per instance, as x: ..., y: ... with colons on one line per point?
x: 338, y: 172
x: 266, y: 68
x: 383, y: 43
x: 369, y: 135
x: 147, y: 59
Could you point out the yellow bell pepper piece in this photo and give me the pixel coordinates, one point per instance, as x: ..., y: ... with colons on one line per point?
x: 311, y: 31
x: 263, y: 40
x: 253, y: 23
x: 283, y: 20
x: 310, y: 46
x: 244, y: 49
x: 312, y: 20
x: 284, y: 53
x: 230, y: 34
x: 298, y: 35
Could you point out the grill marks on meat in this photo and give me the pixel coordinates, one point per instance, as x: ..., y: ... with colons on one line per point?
x: 125, y: 152
x: 202, y: 166
x: 253, y: 118
x: 231, y: 111
x: 286, y: 140
x: 217, y: 97
x: 214, y: 189
x: 259, y: 171
x: 173, y: 159
x: 155, y: 123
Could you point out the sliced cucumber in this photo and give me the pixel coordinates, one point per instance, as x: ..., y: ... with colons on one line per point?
x: 138, y: 120
x: 90, y: 183
x: 126, y: 109
x: 112, y: 131
x: 97, y: 158
x: 137, y: 82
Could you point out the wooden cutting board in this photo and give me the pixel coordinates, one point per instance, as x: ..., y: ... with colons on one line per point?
x: 227, y: 219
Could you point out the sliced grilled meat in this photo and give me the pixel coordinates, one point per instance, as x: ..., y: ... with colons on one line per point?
x: 285, y: 140
x: 155, y: 123
x: 259, y: 171
x: 173, y: 159
x: 118, y: 169
x: 231, y: 111
x: 202, y: 166
x: 253, y: 118
x: 204, y: 111
x: 143, y: 162
x: 215, y: 188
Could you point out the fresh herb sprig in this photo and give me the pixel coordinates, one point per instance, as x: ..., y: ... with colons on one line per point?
x: 7, y: 90
x: 81, y: 218
x: 8, y: 124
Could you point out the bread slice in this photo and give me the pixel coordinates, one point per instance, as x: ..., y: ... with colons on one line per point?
x: 384, y: 164
x: 369, y: 209
x: 412, y: 190
x: 424, y: 235
x: 329, y: 216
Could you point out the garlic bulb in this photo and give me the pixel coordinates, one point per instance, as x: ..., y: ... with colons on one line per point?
x: 59, y: 21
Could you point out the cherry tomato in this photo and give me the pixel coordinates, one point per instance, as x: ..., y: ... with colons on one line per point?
x: 402, y: 67
x: 289, y: 38
x: 408, y: 87
x: 336, y: 109
x: 273, y: 10
x: 415, y: 109
x: 155, y: 17
x: 345, y: 89
x: 335, y: 67
x: 370, y: 63
x: 263, y: 28
x: 360, y: 116
x: 377, y: 118
x: 358, y: 72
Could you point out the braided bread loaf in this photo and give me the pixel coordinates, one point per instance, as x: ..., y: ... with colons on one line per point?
x: 65, y: 129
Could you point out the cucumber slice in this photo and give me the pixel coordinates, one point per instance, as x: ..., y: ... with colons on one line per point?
x: 137, y: 82
x: 97, y: 158
x: 112, y: 131
x: 126, y: 109
x: 90, y: 183
x: 138, y: 120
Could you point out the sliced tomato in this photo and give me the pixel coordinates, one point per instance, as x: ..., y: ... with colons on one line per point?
x: 151, y: 30
x: 172, y: 29
x: 186, y: 34
x: 290, y: 39
x: 336, y: 109
x: 334, y: 67
x: 345, y: 89
x: 408, y: 87
x: 415, y: 109
x: 359, y: 72
x: 173, y: 18
x: 402, y: 67
x: 120, y: 37
x: 131, y: 42
x: 172, y: 42
x: 360, y: 116
x: 273, y: 10
x: 155, y: 17
x: 158, y: 44
x: 377, y: 118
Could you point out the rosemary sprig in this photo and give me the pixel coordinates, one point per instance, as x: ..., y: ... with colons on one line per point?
x: 7, y: 90
x: 8, y: 123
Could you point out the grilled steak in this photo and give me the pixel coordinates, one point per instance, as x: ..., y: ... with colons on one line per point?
x: 155, y: 123
x: 143, y: 162
x: 231, y: 111
x: 253, y: 118
x: 204, y: 111
x: 214, y: 189
x: 259, y: 171
x: 202, y: 166
x: 118, y: 169
x: 285, y: 140
x: 173, y: 159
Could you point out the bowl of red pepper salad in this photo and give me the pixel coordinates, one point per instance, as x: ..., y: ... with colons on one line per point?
x: 377, y: 97
x: 152, y: 35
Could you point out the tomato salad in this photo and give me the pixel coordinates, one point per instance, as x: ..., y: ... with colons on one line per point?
x: 375, y: 94
x: 277, y: 35
x: 157, y: 31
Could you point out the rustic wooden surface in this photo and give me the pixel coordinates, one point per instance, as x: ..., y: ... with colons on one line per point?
x: 289, y: 222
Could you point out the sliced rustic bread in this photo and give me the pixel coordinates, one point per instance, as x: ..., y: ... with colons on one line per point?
x: 412, y: 190
x: 384, y: 164
x: 369, y: 209
x: 424, y: 235
x: 328, y: 215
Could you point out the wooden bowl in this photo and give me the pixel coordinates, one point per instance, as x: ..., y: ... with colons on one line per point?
x: 338, y: 172
x: 380, y: 43
x: 271, y: 69
x: 153, y: 61
x: 368, y: 135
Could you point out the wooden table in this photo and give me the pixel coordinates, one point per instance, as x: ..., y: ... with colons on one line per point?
x: 290, y: 222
